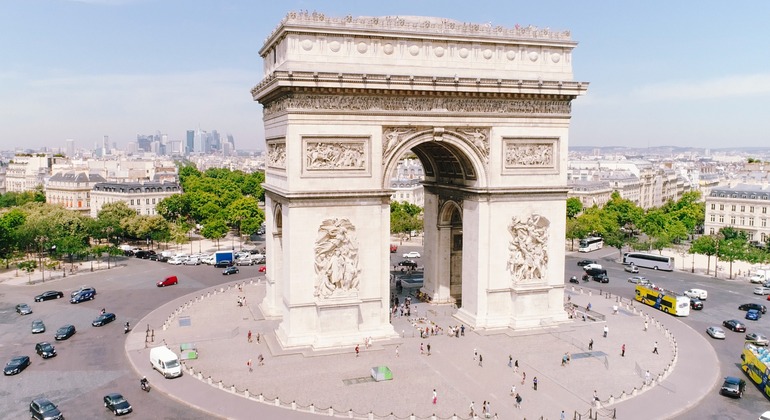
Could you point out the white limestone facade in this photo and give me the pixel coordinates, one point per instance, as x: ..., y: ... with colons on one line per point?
x: 485, y: 109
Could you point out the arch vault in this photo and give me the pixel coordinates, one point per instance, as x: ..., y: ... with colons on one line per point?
x: 485, y: 109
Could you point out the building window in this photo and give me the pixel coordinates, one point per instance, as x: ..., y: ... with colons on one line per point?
x: 743, y: 209
x: 732, y: 220
x: 751, y: 221
x: 711, y: 231
x: 763, y: 222
x: 764, y: 210
x: 721, y: 207
x: 713, y: 206
x: 153, y: 201
x: 713, y: 218
x: 721, y: 218
x: 743, y: 221
x: 733, y: 207
x: 751, y: 209
x: 147, y: 200
x: 132, y: 201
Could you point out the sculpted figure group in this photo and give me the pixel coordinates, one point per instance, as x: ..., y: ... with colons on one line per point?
x: 528, y: 258
x: 336, y: 259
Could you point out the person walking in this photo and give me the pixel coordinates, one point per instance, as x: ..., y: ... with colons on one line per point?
x: 489, y: 409
x: 591, y: 345
x: 510, y: 360
x: 475, y: 354
x: 435, y: 396
x: 421, y: 349
x: 606, y: 331
x: 480, y: 361
x: 249, y: 365
x: 357, y: 350
x: 523, y: 377
x: 645, y: 325
x: 655, y: 348
x: 534, y: 383
x: 473, y: 411
x: 516, y: 366
x: 428, y: 347
x: 518, y: 401
x: 462, y: 330
x: 513, y: 390
x: 623, y: 350
x: 249, y: 336
x: 396, y: 351
x: 596, y: 396
x: 260, y: 360
x: 561, y: 416
x: 564, y: 360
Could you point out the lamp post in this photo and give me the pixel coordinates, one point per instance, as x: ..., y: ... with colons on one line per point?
x: 108, y: 230
x: 42, y: 240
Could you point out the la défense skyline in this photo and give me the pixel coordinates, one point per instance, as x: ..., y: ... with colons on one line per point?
x: 659, y: 74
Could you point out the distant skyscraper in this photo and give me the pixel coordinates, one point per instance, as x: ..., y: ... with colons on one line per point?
x: 70, y: 148
x: 231, y: 141
x: 190, y: 144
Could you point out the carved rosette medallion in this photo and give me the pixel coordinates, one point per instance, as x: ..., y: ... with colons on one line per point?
x: 336, y: 260
x: 346, y: 155
x: 528, y: 249
x: 276, y: 154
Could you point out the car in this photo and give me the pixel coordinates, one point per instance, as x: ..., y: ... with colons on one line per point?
x: 158, y: 257
x: 583, y: 263
x: 83, y: 296
x: 145, y: 255
x: 408, y: 263
x: 23, y: 309
x: 735, y: 325
x: 696, y: 304
x: 757, y: 339
x: 601, y: 278
x: 192, y: 261
x: 757, y: 306
x: 176, y: 261
x: 263, y: 269
x: 412, y: 254
x: 245, y: 261
x: 230, y: 270
x: 639, y: 280
x: 593, y: 266
x: 83, y: 289
x: 733, y: 387
x: 716, y: 332
x: 45, y: 349
x: 44, y: 409
x: 168, y: 281
x: 696, y: 294
x: 51, y: 294
x: 16, y: 365
x: 117, y: 404
x: 223, y: 263
x: 65, y: 332
x: 762, y: 290
x: 103, y: 319
x: 38, y: 326
x: 753, y: 315
x: 631, y: 268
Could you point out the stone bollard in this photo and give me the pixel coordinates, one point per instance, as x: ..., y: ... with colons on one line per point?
x: 164, y: 327
x: 331, y: 412
x: 277, y: 402
x: 590, y: 293
x: 312, y: 408
x: 622, y: 395
x: 581, y: 290
x: 371, y: 416
x: 220, y: 385
x: 208, y: 380
x: 612, y: 400
x: 246, y: 394
x: 200, y: 376
x: 597, y: 404
x: 221, y: 290
x: 350, y: 414
x: 294, y: 405
x: 232, y: 389
x: 633, y: 392
x: 261, y: 398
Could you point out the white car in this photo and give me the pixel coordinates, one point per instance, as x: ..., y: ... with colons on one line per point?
x: 716, y: 332
x: 696, y: 294
x: 639, y: 280
x: 592, y: 267
x: 762, y: 290
x: 175, y: 261
x: 631, y: 268
x: 192, y: 261
x: 413, y: 254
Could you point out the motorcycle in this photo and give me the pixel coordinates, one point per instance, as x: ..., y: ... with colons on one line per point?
x: 574, y: 279
x: 145, y: 384
x: 126, y: 328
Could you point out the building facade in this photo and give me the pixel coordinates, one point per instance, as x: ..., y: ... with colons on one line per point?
x: 743, y: 207
x: 72, y: 190
x: 28, y: 172
x: 142, y: 197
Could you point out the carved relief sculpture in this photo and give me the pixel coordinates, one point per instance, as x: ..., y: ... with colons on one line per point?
x: 529, y: 155
x: 392, y: 136
x: 276, y: 155
x: 335, y: 155
x: 336, y: 259
x: 528, y: 248
x: 479, y: 137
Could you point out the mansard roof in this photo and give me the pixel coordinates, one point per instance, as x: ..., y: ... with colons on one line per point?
x: 75, y: 177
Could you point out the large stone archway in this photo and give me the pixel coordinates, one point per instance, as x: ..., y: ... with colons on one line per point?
x: 485, y: 109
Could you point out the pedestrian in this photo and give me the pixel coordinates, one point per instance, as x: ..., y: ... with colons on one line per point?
x: 516, y: 366
x: 357, y: 350
x: 462, y: 330
x: 260, y: 360
x: 480, y: 361
x: 435, y: 396
x: 249, y: 336
x: 475, y: 354
x: 396, y: 351
x: 510, y: 360
x: 523, y: 377
x: 422, y: 351
x: 257, y: 338
x: 655, y: 348
x: 596, y: 396
x: 518, y: 401
x: 484, y: 409
x: 645, y: 325
x: 534, y: 383
x: 561, y: 417
x: 591, y: 345
x: 473, y: 411
x: 249, y: 365
x: 513, y: 390
x: 569, y: 357
x: 564, y: 360
x: 428, y: 347
x: 647, y: 377
x: 606, y: 330
x: 623, y: 350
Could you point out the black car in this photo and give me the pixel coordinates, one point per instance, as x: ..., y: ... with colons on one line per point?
x: 408, y: 263
x: 103, y: 319
x: 601, y: 278
x: 733, y: 387
x: 757, y: 306
x: 16, y: 365
x: 45, y: 350
x: 230, y: 270
x: 696, y: 304
x: 583, y: 263
x: 735, y: 325
x: 51, y: 294
x: 223, y: 264
x: 65, y: 332
x: 144, y: 254
x: 117, y: 404
x: 42, y: 408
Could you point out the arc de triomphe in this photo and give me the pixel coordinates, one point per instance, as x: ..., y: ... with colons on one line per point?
x: 485, y: 109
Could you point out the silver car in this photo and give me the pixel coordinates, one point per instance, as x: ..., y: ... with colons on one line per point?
x: 38, y: 326
x: 716, y: 332
x: 757, y: 339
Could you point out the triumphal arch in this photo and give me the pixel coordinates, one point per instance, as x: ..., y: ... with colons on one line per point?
x: 485, y: 108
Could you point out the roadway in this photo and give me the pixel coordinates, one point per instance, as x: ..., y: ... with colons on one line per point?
x: 724, y: 296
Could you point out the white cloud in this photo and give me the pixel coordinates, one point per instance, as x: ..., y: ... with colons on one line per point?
x: 723, y: 87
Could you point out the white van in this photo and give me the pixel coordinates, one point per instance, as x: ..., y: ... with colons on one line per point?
x: 697, y: 294
x: 165, y: 361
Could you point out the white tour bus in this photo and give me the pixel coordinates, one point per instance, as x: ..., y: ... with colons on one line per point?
x: 656, y: 262
x: 592, y: 243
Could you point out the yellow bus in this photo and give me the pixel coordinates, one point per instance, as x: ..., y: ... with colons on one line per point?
x: 664, y: 300
x: 752, y: 363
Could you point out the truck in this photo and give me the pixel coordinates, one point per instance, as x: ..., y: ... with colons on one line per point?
x: 221, y: 256
x: 165, y: 361
x: 761, y: 275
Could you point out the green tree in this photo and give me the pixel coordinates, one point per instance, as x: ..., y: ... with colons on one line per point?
x: 574, y: 207
x: 705, y: 245
x: 215, y: 229
x: 732, y: 249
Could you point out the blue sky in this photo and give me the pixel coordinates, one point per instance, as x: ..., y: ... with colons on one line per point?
x: 679, y: 73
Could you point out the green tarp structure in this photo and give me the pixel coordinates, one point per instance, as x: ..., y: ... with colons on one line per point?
x: 189, y: 354
x: 382, y: 373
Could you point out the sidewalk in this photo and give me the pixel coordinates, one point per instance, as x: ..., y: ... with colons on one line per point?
x: 341, y: 381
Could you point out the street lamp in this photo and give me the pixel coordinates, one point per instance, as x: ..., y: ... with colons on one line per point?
x: 42, y: 240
